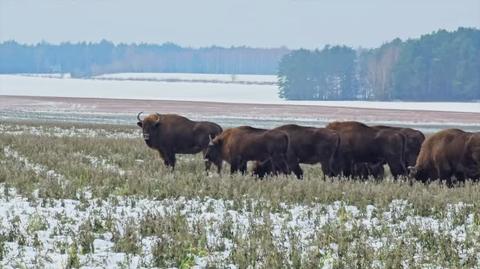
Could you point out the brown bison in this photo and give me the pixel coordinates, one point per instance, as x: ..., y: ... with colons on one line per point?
x: 171, y: 134
x: 448, y: 153
x: 239, y: 145
x: 360, y: 143
x: 413, y: 142
x: 308, y: 145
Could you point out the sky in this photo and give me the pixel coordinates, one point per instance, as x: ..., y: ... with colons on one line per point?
x: 256, y: 23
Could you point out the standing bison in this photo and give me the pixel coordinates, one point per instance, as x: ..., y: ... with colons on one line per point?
x: 413, y: 143
x: 171, y: 134
x: 448, y: 153
x: 239, y: 145
x: 360, y: 143
x: 308, y: 145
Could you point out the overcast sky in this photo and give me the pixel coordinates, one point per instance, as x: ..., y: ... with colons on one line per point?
x: 258, y: 23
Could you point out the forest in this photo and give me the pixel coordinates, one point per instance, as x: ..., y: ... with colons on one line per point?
x: 89, y: 59
x: 441, y: 66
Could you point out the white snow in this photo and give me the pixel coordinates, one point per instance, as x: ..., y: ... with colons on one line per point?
x: 55, y: 131
x: 63, y: 218
x: 120, y: 86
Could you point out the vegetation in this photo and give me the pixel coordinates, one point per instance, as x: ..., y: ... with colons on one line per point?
x: 441, y: 66
x: 86, y: 59
x: 123, y: 195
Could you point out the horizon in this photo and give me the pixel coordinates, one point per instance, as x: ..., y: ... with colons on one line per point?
x: 139, y: 43
x: 268, y: 24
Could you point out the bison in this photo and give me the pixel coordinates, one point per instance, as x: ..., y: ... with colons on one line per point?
x: 413, y: 142
x: 170, y: 134
x: 239, y: 145
x: 308, y: 145
x: 360, y: 143
x: 448, y: 153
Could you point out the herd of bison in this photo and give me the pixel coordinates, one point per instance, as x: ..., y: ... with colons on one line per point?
x: 348, y: 148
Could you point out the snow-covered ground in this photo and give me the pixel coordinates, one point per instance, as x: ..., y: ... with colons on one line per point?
x: 120, y: 86
x: 131, y: 89
x: 19, y: 129
x: 42, y: 232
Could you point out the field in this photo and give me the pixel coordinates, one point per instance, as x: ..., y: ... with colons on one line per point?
x: 79, y: 187
x: 245, y: 89
x: 93, y: 195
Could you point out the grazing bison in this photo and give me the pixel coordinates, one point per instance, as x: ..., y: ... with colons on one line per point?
x: 308, y: 145
x: 448, y: 153
x: 239, y: 145
x: 171, y: 134
x: 413, y: 142
x: 360, y: 143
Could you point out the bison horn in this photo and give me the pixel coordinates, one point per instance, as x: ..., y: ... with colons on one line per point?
x: 158, y: 120
x: 210, y: 143
x: 412, y: 170
x: 138, y: 116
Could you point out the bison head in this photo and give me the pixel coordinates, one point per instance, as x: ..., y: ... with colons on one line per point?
x: 150, y: 127
x: 214, y: 150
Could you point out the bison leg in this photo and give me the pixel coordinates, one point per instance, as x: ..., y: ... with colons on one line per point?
x: 460, y: 177
x: 166, y: 160
x: 397, y: 168
x: 297, y: 170
x: 280, y: 164
x: 208, y: 164
x: 243, y: 167
x: 234, y: 166
x: 376, y: 170
x: 328, y: 172
x: 219, y: 166
x: 445, y: 174
x: 170, y: 160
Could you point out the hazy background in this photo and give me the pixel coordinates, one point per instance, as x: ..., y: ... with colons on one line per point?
x: 266, y: 23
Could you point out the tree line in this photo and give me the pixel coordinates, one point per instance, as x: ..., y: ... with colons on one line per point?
x: 87, y: 59
x: 441, y: 66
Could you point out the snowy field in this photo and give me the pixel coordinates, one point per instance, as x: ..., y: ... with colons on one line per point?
x: 189, y: 87
x: 94, y: 196
x: 44, y: 232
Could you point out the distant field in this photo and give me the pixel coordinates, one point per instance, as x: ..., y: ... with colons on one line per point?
x: 178, y: 77
x: 94, y: 195
x: 252, y: 89
x: 124, y: 111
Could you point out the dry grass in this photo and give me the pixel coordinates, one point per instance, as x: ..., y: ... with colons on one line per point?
x: 69, y: 167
